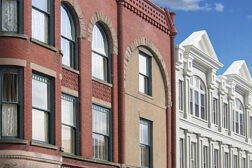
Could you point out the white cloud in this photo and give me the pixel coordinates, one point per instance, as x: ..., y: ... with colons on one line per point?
x: 186, y: 5
x: 249, y: 16
x: 219, y: 7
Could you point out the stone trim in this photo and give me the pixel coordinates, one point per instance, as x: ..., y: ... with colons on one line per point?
x: 101, y: 102
x: 100, y: 17
x: 43, y: 70
x: 75, y: 5
x: 69, y: 91
x: 13, y: 61
x: 148, y: 44
x: 24, y: 155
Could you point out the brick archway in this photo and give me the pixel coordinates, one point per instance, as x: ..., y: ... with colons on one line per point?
x: 149, y: 45
x: 80, y: 16
x: 100, y: 17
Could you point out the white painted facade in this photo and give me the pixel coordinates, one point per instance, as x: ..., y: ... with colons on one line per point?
x: 214, y: 113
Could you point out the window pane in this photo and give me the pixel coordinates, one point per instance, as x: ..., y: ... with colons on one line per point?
x: 40, y: 125
x: 39, y: 25
x: 41, y: 4
x: 68, y: 111
x: 202, y: 100
x: 68, y: 50
x: 9, y: 120
x: 143, y: 64
x: 10, y: 86
x: 144, y: 133
x: 100, y: 122
x: 9, y: 15
x: 145, y: 156
x: 98, y: 66
x: 142, y: 84
x: 40, y: 93
x: 68, y: 134
x: 66, y: 26
x: 100, y: 147
x: 196, y: 101
x: 98, y: 42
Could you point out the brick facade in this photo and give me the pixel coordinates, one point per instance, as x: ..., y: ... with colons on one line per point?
x: 129, y: 24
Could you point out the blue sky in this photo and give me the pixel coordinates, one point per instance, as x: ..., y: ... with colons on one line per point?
x: 227, y: 22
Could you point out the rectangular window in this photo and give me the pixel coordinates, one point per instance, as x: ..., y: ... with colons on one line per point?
x: 10, y: 102
x: 69, y: 128
x: 225, y: 160
x: 196, y: 101
x: 101, y: 132
x: 9, y: 15
x: 191, y: 101
x: 144, y: 74
x: 205, y: 157
x: 250, y: 130
x: 235, y: 162
x: 181, y: 153
x: 146, y: 143
x: 203, y: 113
x: 216, y: 159
x: 236, y: 122
x: 243, y: 162
x: 193, y: 155
x: 41, y: 108
x: 225, y: 115
x: 181, y: 95
x: 214, y: 114
x: 241, y: 124
x: 41, y: 20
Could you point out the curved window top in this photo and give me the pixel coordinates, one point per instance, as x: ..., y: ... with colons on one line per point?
x: 98, y: 41
x: 197, y: 83
x: 69, y: 44
x: 67, y: 29
x: 238, y: 105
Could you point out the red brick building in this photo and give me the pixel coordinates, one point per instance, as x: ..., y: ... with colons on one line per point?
x: 87, y: 84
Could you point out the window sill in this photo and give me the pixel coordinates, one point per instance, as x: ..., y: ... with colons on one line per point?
x: 14, y: 35
x: 145, y: 95
x: 90, y: 160
x: 102, y: 82
x: 70, y: 69
x: 181, y: 111
x: 44, y: 45
x: 200, y: 119
x: 13, y: 141
x: 43, y: 145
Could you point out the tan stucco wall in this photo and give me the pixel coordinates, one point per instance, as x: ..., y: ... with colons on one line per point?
x: 151, y: 108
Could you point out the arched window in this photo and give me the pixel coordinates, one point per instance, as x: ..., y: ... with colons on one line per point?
x: 68, y: 38
x: 100, y: 54
x: 197, y: 98
x: 239, y: 117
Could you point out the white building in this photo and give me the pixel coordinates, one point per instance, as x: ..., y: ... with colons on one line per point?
x: 214, y: 113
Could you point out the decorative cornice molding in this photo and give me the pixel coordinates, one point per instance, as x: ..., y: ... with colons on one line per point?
x: 160, y: 18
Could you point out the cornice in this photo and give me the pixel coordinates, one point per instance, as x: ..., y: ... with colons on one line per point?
x: 158, y: 17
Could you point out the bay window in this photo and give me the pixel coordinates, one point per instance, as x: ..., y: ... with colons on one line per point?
x: 42, y: 114
x: 42, y: 20
x: 69, y: 119
x: 10, y: 99
x: 11, y: 16
x: 101, y: 133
